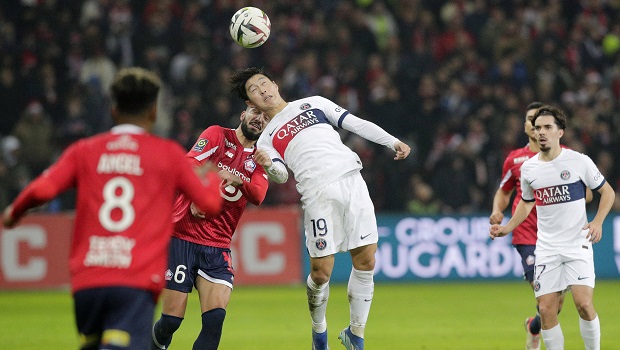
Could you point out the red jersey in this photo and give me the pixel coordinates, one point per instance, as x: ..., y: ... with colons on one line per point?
x: 222, y: 147
x: 126, y: 182
x: 525, y: 233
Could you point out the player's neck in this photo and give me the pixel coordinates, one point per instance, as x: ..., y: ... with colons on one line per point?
x: 550, y: 154
x: 277, y: 109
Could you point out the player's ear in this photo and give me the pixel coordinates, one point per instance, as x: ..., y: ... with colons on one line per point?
x: 152, y: 113
x: 242, y: 116
x: 561, y: 133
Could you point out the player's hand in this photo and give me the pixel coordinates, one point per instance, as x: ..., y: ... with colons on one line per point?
x: 497, y: 231
x: 7, y: 218
x: 402, y: 150
x: 197, y: 213
x: 595, y: 232
x: 496, y: 218
x: 262, y: 158
x: 205, y: 168
x: 230, y: 179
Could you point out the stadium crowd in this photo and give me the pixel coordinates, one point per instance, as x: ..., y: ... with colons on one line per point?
x: 452, y: 78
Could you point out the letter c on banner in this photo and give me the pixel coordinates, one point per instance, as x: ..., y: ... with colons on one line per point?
x: 35, y: 268
x: 253, y: 264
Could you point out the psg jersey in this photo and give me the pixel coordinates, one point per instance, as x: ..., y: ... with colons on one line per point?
x: 559, y: 189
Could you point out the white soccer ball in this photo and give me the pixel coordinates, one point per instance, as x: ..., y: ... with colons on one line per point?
x: 250, y: 27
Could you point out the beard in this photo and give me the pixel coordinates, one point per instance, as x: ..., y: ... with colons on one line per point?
x: 252, y: 136
x: 544, y: 148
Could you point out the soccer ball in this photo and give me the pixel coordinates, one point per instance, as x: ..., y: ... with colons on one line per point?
x: 250, y: 27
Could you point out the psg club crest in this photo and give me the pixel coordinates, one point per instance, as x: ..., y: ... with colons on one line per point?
x: 305, y: 106
x: 321, y: 244
x: 200, y: 145
x: 565, y: 175
x: 536, y: 286
x: 249, y: 165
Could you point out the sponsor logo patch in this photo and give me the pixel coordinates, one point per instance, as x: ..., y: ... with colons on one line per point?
x: 229, y: 154
x: 200, y: 145
x: 230, y: 144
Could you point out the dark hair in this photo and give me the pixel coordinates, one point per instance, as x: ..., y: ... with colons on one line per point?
x: 239, y: 77
x: 556, y: 113
x: 135, y: 90
x: 534, y: 105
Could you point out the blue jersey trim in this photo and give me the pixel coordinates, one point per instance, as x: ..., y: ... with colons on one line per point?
x: 341, y: 119
x: 278, y: 160
x: 599, y: 186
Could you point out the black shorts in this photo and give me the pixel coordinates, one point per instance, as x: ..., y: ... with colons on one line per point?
x: 527, y: 260
x: 189, y: 260
x: 119, y: 317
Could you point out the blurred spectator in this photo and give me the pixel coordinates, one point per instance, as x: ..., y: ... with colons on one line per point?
x: 14, y: 173
x: 422, y: 201
x: 10, y: 100
x: 447, y: 75
x: 35, y: 132
x: 75, y: 126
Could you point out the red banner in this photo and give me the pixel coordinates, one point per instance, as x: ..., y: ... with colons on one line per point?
x: 35, y: 254
x: 266, y: 249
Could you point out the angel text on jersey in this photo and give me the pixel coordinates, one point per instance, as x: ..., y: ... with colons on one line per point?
x: 560, y: 194
x: 297, y: 124
x: 119, y: 163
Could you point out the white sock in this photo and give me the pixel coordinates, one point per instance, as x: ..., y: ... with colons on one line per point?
x: 361, y: 288
x: 553, y: 338
x: 317, y: 303
x: 591, y: 333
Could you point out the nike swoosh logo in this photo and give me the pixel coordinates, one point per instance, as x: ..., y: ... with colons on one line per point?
x: 272, y: 131
x: 362, y: 237
x: 581, y: 278
x: 367, y: 299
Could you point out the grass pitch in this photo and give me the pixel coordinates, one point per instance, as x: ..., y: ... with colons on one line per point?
x: 403, y: 316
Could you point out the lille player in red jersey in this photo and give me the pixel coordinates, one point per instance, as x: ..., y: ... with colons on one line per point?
x: 200, y: 249
x: 523, y: 236
x: 126, y: 182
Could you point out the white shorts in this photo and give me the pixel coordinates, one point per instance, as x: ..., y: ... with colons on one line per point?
x: 555, y: 273
x: 340, y: 217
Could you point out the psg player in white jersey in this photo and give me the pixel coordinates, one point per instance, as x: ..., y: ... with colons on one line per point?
x: 338, y: 213
x: 200, y: 254
x: 126, y: 181
x: 555, y: 181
